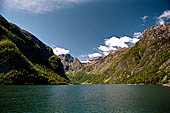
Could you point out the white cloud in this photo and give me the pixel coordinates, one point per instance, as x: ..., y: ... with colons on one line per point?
x: 164, y: 15
x: 85, y: 61
x: 60, y: 51
x: 106, y: 48
x: 119, y: 42
x: 114, y: 43
x: 106, y: 53
x: 144, y: 18
x: 39, y: 6
x: 94, y: 55
x: 134, y: 40
x: 161, y: 21
x: 137, y: 35
x: 125, y: 39
x: 103, y: 48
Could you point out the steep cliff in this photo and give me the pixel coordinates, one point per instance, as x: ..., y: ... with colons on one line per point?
x: 147, y: 62
x: 70, y: 63
x: 24, y: 59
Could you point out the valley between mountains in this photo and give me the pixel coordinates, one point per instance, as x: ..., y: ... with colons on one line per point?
x: 24, y: 59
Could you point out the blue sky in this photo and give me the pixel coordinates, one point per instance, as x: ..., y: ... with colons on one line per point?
x: 86, y: 28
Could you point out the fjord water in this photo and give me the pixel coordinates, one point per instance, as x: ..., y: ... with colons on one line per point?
x: 85, y: 99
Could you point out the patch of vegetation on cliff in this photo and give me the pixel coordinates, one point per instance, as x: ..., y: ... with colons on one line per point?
x: 26, y: 60
x: 147, y: 62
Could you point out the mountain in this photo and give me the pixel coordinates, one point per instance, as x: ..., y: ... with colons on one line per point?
x: 70, y: 63
x: 24, y: 59
x: 147, y: 62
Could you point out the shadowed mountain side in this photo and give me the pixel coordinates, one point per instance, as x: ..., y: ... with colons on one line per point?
x: 70, y: 63
x: 25, y: 59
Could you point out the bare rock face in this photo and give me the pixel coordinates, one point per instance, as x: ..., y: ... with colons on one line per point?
x: 70, y: 63
x: 105, y: 62
x: 155, y: 33
x: 147, y: 62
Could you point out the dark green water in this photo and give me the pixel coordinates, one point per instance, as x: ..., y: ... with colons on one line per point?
x: 85, y: 99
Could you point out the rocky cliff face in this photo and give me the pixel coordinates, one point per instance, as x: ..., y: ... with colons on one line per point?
x: 70, y: 63
x: 24, y: 59
x: 103, y: 63
x: 147, y: 62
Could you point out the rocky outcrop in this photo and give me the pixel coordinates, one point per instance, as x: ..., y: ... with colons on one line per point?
x: 103, y: 63
x: 70, y: 63
x: 147, y: 62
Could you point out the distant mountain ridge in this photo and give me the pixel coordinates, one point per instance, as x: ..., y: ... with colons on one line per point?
x: 24, y: 59
x: 147, y: 62
x: 70, y: 63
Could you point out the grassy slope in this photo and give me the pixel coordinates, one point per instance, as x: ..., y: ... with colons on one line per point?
x: 147, y: 62
x: 24, y: 61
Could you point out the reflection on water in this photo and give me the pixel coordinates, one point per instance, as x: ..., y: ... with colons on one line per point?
x: 85, y: 99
